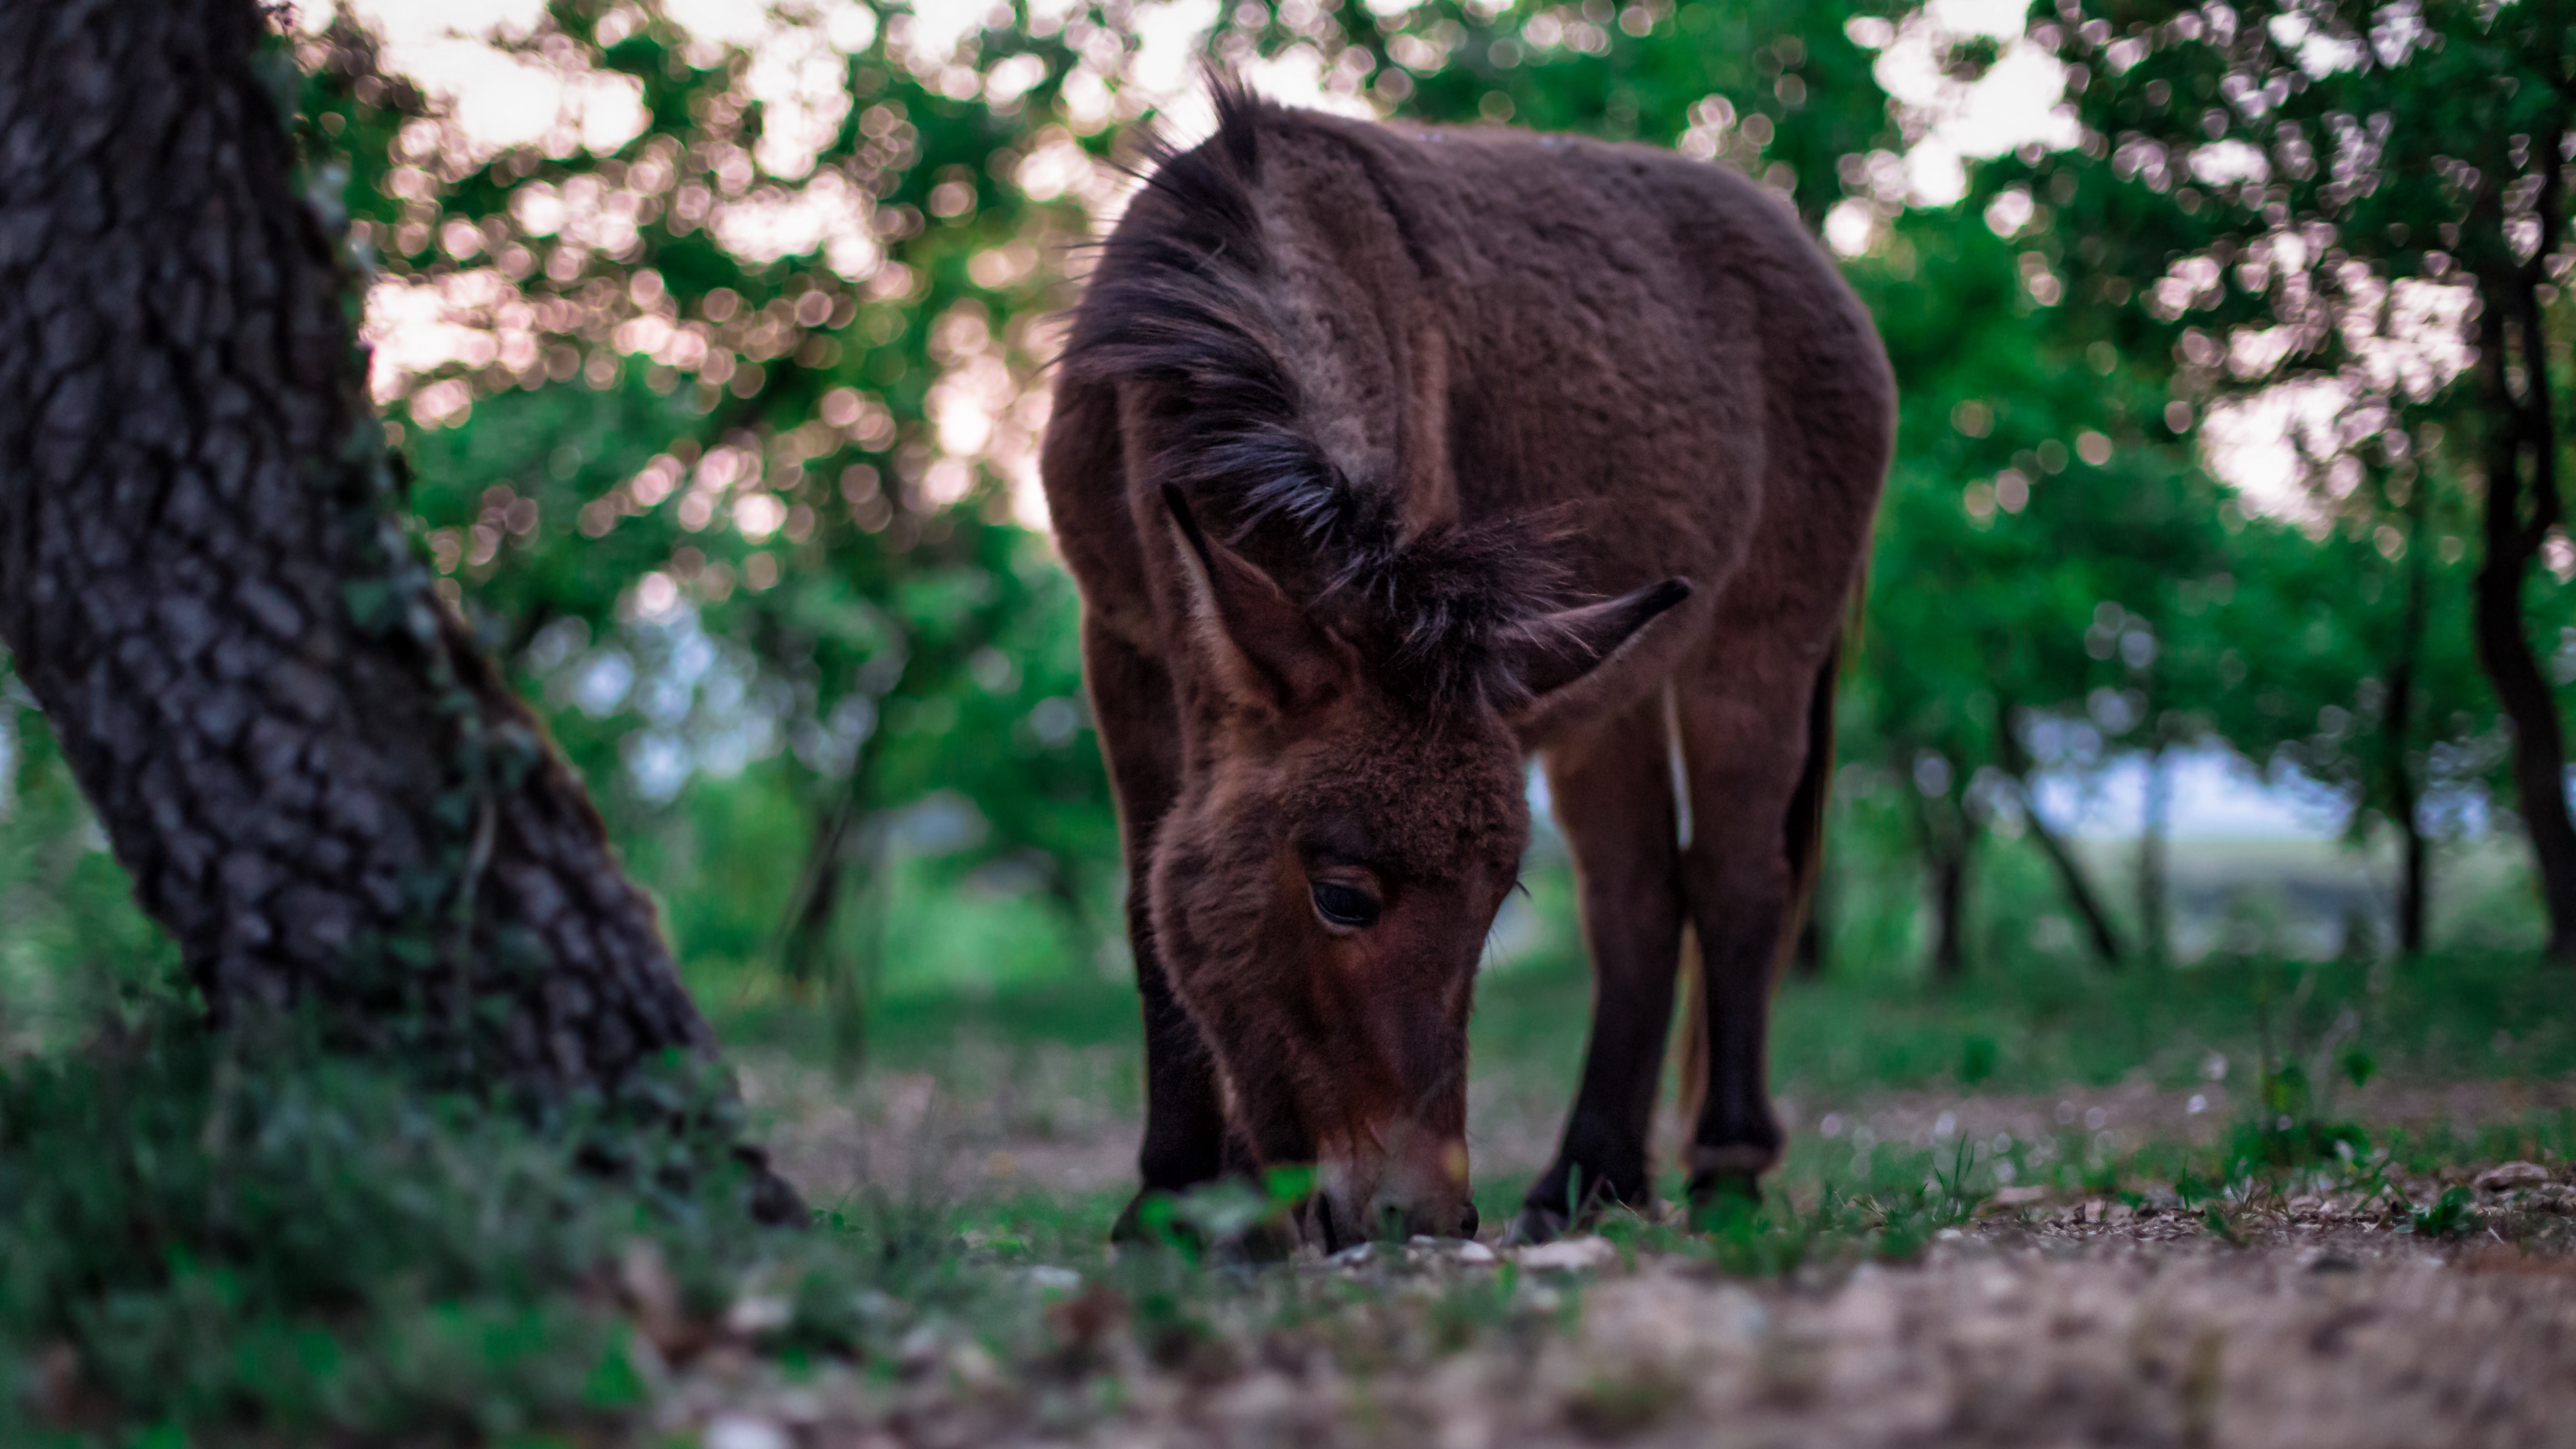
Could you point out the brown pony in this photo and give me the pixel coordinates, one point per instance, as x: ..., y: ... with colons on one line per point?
x: 1386, y: 457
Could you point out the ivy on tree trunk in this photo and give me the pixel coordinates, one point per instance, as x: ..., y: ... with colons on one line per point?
x: 317, y: 782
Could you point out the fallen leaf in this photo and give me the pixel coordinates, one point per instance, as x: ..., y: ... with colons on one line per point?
x: 1569, y: 1253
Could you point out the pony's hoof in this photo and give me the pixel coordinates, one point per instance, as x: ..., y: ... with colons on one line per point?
x: 1534, y: 1225
x: 1723, y: 1194
x: 1130, y: 1231
x: 1140, y: 1227
x: 1259, y: 1245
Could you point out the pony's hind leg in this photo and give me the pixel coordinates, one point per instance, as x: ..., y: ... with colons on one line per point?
x: 1614, y: 799
x: 1131, y: 698
x: 1749, y: 741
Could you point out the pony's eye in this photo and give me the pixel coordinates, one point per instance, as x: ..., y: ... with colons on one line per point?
x: 1344, y: 905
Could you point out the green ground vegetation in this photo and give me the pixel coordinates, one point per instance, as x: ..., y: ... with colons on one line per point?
x: 220, y: 1239
x: 742, y: 527
x: 236, y: 1240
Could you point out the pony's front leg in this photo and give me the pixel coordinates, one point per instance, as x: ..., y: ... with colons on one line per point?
x: 1131, y: 701
x: 1614, y: 800
x: 1756, y: 741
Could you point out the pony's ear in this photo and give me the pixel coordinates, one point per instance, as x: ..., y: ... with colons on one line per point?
x: 1266, y: 651
x: 1555, y: 652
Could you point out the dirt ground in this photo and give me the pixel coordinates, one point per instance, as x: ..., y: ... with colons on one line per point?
x: 2044, y: 1323
x: 2034, y: 1328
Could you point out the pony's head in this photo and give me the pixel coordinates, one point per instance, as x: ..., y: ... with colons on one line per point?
x: 1353, y: 816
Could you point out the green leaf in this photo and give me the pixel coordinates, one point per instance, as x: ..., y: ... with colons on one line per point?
x: 1288, y: 1184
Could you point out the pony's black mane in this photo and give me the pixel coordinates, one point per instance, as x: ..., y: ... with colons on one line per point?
x: 1183, y: 302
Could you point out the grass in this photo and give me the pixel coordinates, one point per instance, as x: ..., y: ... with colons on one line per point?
x: 228, y: 1234
x: 2018, y: 1025
x: 223, y: 1242
x: 2024, y: 1019
x: 216, y: 1242
x: 218, y: 1247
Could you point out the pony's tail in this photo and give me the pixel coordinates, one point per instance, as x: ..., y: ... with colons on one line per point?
x: 1803, y: 839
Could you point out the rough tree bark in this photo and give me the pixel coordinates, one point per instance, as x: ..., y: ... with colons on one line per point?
x: 318, y: 784
x: 2520, y: 425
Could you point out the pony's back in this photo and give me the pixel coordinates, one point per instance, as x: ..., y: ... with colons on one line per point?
x: 1353, y: 334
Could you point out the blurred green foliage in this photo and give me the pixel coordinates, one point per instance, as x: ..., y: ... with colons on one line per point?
x: 228, y: 1240
x: 745, y: 509
x: 745, y: 512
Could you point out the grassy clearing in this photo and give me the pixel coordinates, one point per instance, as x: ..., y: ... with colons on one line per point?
x: 2025, y: 1019
x: 215, y: 1243
x: 216, y: 1247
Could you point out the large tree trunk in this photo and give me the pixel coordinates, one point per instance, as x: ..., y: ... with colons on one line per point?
x: 318, y: 784
x: 2520, y: 427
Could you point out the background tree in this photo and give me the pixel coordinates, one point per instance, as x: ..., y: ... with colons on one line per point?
x: 725, y: 456
x: 2053, y: 551
x: 720, y: 445
x: 2350, y: 207
x: 2349, y: 661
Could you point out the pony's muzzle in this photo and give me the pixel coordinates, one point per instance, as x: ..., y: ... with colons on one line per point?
x: 1414, y: 1185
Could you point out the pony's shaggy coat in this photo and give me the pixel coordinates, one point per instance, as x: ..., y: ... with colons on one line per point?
x: 1386, y: 455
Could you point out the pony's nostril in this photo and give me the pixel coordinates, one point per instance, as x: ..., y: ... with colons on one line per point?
x: 1441, y: 1222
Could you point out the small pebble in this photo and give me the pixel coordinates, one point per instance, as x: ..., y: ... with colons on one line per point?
x: 1570, y: 1253
x: 2511, y: 1175
x: 741, y: 1431
x: 756, y: 1314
